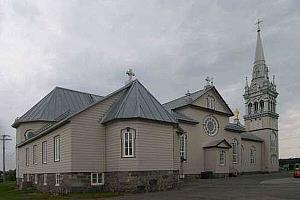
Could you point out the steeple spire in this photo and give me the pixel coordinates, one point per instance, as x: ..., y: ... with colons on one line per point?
x: 259, y: 52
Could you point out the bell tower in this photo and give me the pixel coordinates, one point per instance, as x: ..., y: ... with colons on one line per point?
x: 261, y: 117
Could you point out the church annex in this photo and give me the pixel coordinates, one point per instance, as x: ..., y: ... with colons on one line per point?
x: 128, y: 141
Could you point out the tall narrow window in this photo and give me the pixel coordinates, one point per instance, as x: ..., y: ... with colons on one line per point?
x: 35, y: 179
x: 97, y: 178
x: 56, y: 148
x: 57, y: 179
x: 128, y: 143
x: 222, y: 157
x: 252, y: 155
x: 249, y: 108
x: 183, y: 147
x: 261, y: 105
x: 44, y: 152
x: 255, y: 107
x: 234, y: 151
x: 27, y: 156
x: 34, y: 154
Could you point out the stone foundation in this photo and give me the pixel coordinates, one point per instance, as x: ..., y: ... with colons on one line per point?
x: 141, y: 181
x: 137, y: 181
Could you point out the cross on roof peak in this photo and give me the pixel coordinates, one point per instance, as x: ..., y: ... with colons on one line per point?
x: 130, y: 74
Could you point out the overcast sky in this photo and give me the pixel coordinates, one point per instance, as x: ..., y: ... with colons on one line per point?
x: 171, y: 45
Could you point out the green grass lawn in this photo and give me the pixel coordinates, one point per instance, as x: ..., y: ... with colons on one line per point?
x: 8, y: 191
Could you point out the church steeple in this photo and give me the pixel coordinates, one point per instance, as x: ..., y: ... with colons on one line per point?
x: 259, y: 52
x: 261, y: 118
x: 260, y: 69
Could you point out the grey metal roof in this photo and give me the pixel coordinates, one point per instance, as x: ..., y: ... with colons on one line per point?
x: 250, y: 136
x: 138, y: 102
x: 183, y: 118
x: 184, y: 100
x: 58, y: 103
x: 235, y: 127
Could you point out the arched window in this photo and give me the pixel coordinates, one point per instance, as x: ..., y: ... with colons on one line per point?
x: 261, y: 105
x: 271, y: 106
x: 274, y: 107
x: 210, y: 102
x: 28, y: 134
x: 252, y: 155
x: 234, y: 151
x: 249, y: 108
x: 273, y: 142
x: 255, y: 107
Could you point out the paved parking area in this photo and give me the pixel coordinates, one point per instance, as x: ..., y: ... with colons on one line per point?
x: 260, y: 186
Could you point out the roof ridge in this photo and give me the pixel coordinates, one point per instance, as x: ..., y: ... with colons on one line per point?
x: 72, y: 90
x: 183, y: 96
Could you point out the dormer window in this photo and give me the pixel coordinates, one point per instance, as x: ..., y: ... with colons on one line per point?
x: 28, y: 134
x: 210, y: 102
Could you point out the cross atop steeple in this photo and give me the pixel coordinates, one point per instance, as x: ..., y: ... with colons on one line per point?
x: 258, y: 24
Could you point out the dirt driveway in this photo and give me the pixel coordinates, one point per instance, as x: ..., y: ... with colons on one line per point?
x: 261, y: 186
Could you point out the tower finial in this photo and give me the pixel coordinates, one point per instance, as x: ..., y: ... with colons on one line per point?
x: 259, y: 52
x: 258, y: 24
x: 130, y: 74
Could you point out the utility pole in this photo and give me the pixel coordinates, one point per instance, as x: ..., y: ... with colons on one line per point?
x: 4, y: 138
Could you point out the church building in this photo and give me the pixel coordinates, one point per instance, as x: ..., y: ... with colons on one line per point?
x: 73, y: 141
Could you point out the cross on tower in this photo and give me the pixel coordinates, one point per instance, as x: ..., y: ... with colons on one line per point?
x: 258, y: 24
x: 130, y: 74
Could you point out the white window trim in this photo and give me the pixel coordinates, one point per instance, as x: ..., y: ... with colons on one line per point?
x: 44, y: 179
x: 183, y: 146
x: 35, y: 179
x: 222, y: 162
x: 131, y: 137
x: 97, y: 178
x: 34, y: 154
x: 57, y: 148
x: 27, y: 156
x: 44, y: 152
x: 253, y: 155
x: 58, y: 179
x: 234, y: 154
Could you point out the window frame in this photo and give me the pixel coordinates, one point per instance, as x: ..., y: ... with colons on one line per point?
x: 34, y: 154
x: 27, y: 156
x: 45, y: 179
x: 57, y: 148
x: 210, y: 102
x: 98, y: 175
x: 58, y: 179
x: 222, y: 158
x: 44, y: 152
x: 235, y: 151
x: 253, y: 155
x: 183, y: 147
x: 128, y: 135
x: 35, y: 179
